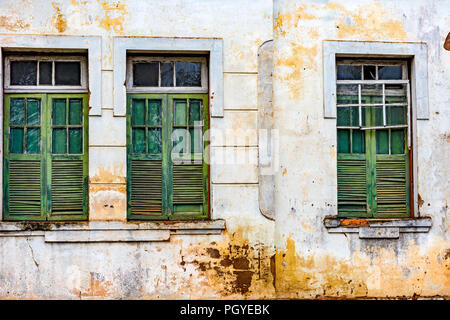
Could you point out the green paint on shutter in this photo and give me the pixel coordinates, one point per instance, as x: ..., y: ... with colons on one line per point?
x: 67, y: 188
x: 158, y: 188
x: 352, y: 186
x: 146, y: 187
x: 24, y: 197
x: 392, y: 186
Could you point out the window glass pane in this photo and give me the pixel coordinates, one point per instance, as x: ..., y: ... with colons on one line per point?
x: 194, y: 112
x: 396, y: 93
x: 145, y: 74
x: 138, y: 112
x: 16, y: 140
x: 188, y: 74
x: 17, y: 111
x: 372, y: 93
x: 59, y: 112
x: 67, y: 73
x: 348, y: 72
x: 138, y: 140
x: 75, y: 140
x: 347, y: 94
x: 398, y: 141
x: 23, y: 73
x: 33, y: 140
x: 390, y: 72
x: 369, y: 72
x: 196, y: 140
x: 343, y: 140
x: 59, y: 141
x: 45, y: 73
x: 154, y: 140
x: 179, y: 139
x: 33, y: 112
x: 343, y: 116
x: 378, y: 116
x: 75, y: 111
x: 166, y: 74
x: 396, y: 115
x: 358, y: 143
x: 382, y: 144
x: 154, y: 112
x: 179, y: 112
x: 354, y: 111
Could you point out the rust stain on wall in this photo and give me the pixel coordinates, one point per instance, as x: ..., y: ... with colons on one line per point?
x: 369, y: 22
x: 59, y: 21
x: 98, y: 287
x: 364, y: 275
x: 12, y: 23
x: 114, y: 16
x: 105, y: 175
x: 234, y: 267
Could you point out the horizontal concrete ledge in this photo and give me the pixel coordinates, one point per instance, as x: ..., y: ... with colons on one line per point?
x: 109, y: 231
x: 107, y: 235
x: 377, y: 228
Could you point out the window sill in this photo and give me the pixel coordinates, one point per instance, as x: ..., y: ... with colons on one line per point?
x: 377, y: 228
x: 109, y: 231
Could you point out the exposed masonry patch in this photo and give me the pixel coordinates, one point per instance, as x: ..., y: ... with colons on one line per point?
x: 110, y: 231
x: 377, y: 228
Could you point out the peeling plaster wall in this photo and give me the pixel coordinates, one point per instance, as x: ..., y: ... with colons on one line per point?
x: 310, y: 262
x: 293, y: 256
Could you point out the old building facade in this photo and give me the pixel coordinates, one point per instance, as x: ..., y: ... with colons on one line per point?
x: 233, y: 149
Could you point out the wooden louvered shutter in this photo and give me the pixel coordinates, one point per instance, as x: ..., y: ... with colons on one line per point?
x: 189, y: 196
x: 146, y: 157
x: 67, y: 165
x: 352, y: 185
x: 23, y: 159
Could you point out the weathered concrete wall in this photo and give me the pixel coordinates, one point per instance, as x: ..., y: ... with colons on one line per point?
x: 233, y: 264
x: 311, y: 262
x: 293, y: 256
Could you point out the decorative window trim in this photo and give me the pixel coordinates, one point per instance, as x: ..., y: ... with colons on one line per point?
x: 419, y: 69
x: 377, y: 228
x: 50, y: 43
x: 169, y: 45
x: 82, y: 88
x: 174, y: 89
x: 110, y: 231
x: 417, y: 52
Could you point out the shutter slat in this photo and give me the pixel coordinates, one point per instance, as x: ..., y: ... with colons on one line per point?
x: 146, y: 187
x: 187, y: 184
x: 391, y: 186
x: 351, y: 176
x: 24, y: 187
x: 67, y: 187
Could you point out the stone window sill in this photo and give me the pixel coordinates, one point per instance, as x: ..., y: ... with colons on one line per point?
x: 109, y: 231
x: 377, y: 228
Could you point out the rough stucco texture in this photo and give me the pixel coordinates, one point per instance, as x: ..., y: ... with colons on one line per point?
x: 293, y: 256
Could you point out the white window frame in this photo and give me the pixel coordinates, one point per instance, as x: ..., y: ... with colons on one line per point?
x: 133, y: 59
x: 147, y: 45
x: 82, y: 88
x: 360, y: 83
x: 418, y: 55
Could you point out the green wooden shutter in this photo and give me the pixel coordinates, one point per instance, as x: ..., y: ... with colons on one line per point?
x: 23, y: 157
x: 352, y: 185
x: 189, y: 193
x: 392, y: 185
x: 67, y: 157
x: 162, y: 185
x: 146, y: 157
